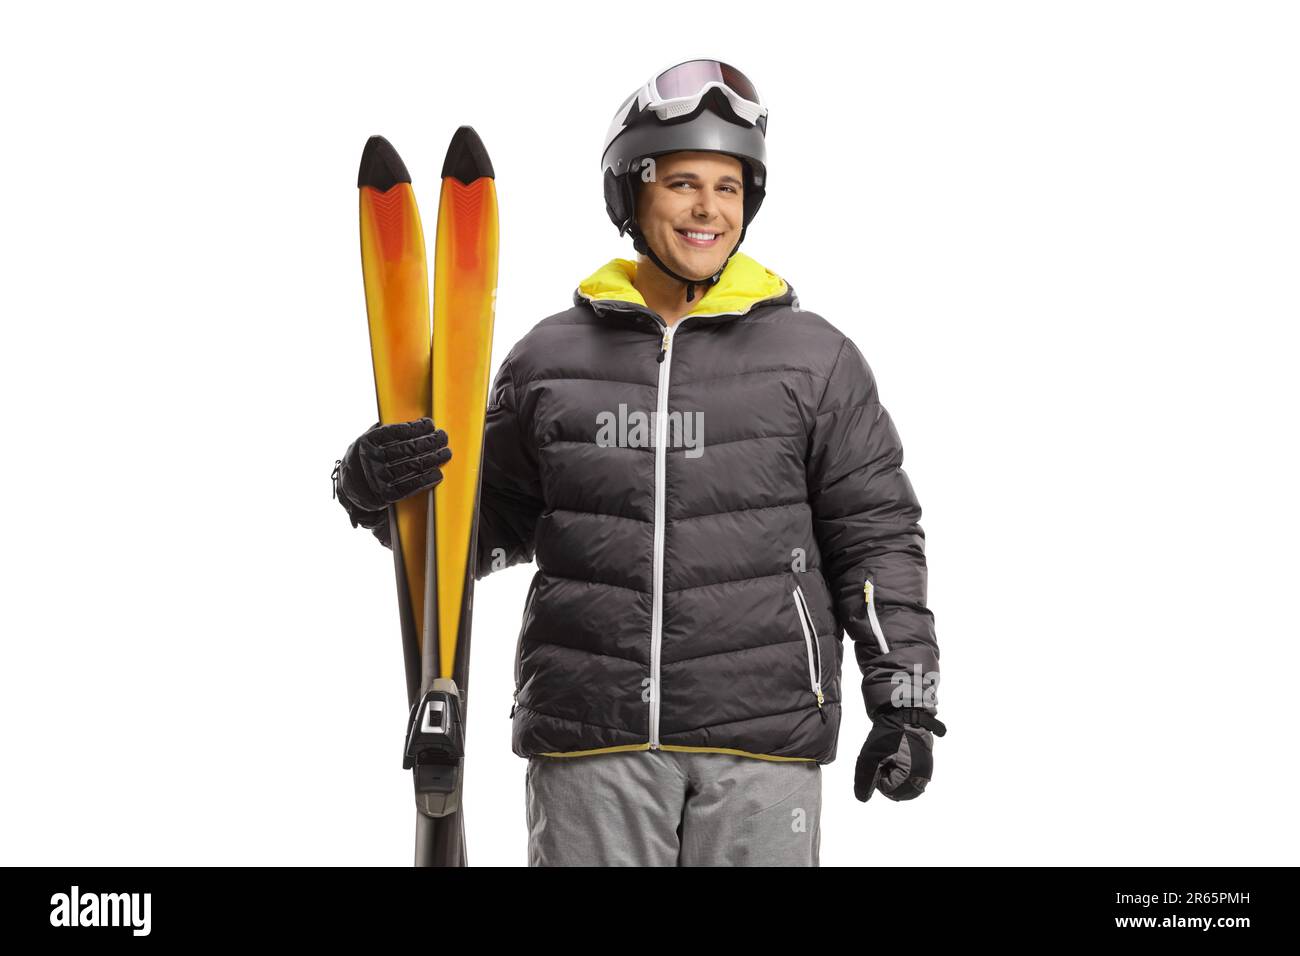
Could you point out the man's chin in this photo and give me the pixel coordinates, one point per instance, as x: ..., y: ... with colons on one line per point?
x: 695, y: 265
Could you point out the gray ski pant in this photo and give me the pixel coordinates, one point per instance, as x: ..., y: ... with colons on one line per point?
x: 672, y: 808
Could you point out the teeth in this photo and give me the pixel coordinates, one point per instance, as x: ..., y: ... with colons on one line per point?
x: 704, y: 236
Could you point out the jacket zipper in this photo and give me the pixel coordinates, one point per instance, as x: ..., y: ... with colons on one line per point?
x: 661, y: 428
x: 519, y: 646
x: 661, y: 480
x: 870, y: 593
x: 810, y: 639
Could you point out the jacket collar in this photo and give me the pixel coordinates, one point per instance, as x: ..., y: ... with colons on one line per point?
x: 743, y: 285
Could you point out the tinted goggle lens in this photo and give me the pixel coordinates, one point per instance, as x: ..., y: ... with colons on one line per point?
x: 687, y: 79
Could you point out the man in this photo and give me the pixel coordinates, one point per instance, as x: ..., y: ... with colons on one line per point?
x: 713, y: 493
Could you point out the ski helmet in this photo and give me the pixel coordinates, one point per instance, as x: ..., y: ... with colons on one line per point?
x: 698, y: 105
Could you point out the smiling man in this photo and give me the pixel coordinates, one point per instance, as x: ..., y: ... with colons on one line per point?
x: 677, y: 672
x: 691, y: 205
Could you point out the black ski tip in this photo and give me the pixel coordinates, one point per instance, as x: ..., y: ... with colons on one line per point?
x: 381, y: 167
x: 467, y: 157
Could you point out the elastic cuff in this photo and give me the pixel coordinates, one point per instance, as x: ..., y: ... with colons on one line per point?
x: 913, y: 716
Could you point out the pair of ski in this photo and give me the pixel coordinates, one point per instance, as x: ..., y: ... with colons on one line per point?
x: 440, y: 371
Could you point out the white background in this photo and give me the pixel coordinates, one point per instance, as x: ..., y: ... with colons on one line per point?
x: 1064, y: 235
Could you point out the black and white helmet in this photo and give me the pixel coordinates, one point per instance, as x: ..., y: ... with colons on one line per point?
x: 698, y: 105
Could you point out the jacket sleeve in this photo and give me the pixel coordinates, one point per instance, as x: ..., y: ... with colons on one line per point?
x: 510, y: 501
x: 866, y: 518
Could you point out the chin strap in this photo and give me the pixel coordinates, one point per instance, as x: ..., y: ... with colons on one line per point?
x: 640, y: 244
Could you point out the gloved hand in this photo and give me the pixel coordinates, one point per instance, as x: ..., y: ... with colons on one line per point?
x: 391, y: 462
x: 898, y: 755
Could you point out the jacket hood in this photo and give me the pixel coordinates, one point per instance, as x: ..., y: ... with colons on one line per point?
x: 744, y: 284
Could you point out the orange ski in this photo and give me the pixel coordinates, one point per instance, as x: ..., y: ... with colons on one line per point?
x: 397, y: 303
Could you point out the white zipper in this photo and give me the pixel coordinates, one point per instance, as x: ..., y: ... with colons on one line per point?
x: 871, y: 616
x: 661, y: 430
x: 519, y: 645
x: 661, y: 470
x: 810, y: 639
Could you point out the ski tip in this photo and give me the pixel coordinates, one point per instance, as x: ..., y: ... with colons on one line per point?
x: 467, y: 157
x: 381, y: 167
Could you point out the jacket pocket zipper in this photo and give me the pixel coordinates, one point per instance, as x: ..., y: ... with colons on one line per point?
x: 813, y: 647
x: 519, y: 646
x: 870, y: 592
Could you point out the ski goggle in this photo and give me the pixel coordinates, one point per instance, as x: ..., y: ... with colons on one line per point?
x: 678, y: 90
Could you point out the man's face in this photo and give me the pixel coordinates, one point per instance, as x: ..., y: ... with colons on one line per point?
x: 693, y: 195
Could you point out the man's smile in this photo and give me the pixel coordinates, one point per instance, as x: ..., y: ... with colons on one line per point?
x: 699, y: 238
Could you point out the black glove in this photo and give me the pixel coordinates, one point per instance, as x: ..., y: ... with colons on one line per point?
x: 386, y: 464
x: 898, y: 755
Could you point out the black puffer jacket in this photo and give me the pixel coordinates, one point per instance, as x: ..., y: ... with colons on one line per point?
x: 691, y: 594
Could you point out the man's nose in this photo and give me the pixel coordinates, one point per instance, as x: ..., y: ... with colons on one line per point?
x: 706, y: 206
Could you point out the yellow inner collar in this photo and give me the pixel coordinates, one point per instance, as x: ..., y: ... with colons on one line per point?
x: 743, y: 283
